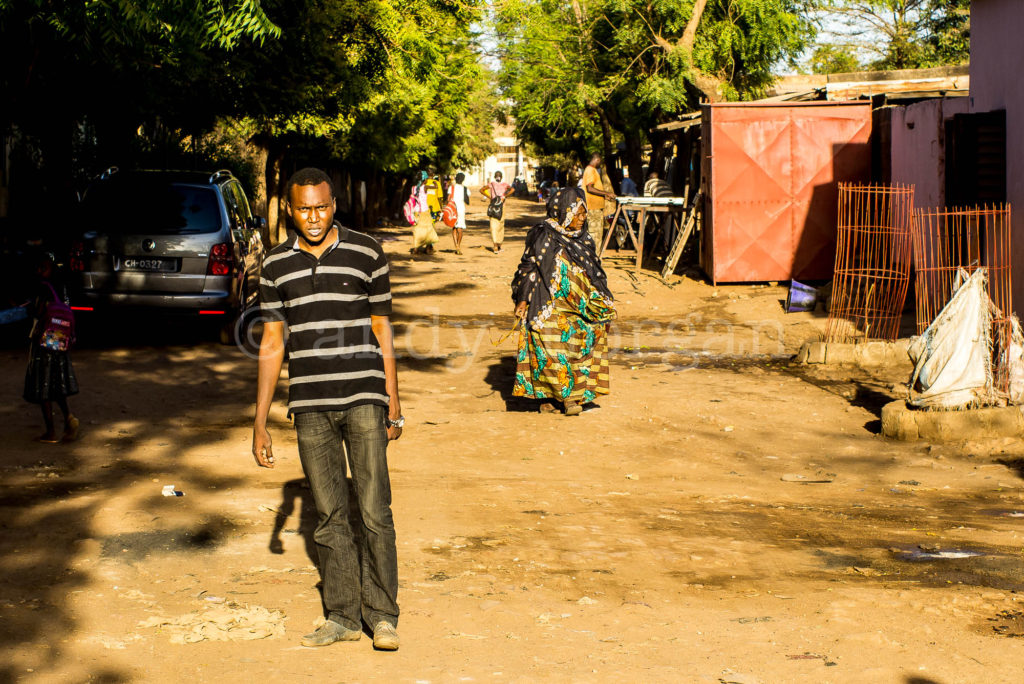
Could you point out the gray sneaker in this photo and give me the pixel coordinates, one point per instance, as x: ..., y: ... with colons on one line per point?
x: 385, y: 638
x: 328, y: 633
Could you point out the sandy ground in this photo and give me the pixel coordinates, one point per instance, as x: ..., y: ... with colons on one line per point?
x: 659, y: 538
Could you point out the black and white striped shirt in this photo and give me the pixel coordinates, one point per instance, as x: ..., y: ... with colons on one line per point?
x: 334, y: 359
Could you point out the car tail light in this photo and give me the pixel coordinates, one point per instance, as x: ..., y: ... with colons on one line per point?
x: 220, y: 260
x: 76, y: 259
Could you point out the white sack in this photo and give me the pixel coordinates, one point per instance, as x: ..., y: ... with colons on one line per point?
x: 1015, y: 362
x: 953, y: 357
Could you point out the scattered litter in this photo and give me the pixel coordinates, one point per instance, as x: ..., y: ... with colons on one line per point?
x: 631, y: 476
x: 268, y: 509
x: 867, y: 572
x: 806, y: 479
x: 586, y: 601
x: 934, y: 553
x: 264, y: 568
x: 231, y: 622
x: 728, y: 428
x: 463, y: 635
x: 169, y: 490
x: 750, y: 620
x: 1011, y: 623
x: 910, y: 483
x: 109, y: 642
x: 1013, y: 514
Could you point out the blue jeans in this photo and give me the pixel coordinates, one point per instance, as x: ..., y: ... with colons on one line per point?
x: 357, y: 582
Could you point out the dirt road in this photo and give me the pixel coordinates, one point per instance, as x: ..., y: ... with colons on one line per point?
x: 722, y: 517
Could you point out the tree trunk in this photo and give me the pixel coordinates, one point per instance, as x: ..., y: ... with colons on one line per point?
x: 634, y: 160
x: 276, y: 217
x: 608, y: 149
x: 259, y: 192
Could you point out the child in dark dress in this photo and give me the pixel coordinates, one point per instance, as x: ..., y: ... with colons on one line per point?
x: 50, y: 378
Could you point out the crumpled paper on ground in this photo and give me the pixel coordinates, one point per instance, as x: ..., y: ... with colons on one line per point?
x: 230, y: 622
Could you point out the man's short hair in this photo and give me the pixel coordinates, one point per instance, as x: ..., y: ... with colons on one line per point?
x: 498, y: 175
x: 308, y: 176
x: 459, y: 177
x: 596, y: 156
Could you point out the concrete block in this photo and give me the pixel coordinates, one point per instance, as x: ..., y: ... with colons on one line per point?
x: 903, y: 423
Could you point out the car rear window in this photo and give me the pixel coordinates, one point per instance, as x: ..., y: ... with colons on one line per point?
x: 151, y: 207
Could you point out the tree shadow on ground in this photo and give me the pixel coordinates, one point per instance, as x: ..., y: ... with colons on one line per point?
x: 182, y: 397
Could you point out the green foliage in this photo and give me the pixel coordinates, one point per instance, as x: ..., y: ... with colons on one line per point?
x: 596, y: 70
x: 898, y: 34
x: 376, y: 85
x: 831, y: 59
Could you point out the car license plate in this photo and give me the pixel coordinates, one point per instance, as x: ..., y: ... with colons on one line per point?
x: 135, y: 264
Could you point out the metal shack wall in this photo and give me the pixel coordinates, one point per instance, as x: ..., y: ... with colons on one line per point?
x: 771, y: 175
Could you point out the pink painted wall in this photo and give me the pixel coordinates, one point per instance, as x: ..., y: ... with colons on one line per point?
x: 918, y: 153
x: 997, y: 62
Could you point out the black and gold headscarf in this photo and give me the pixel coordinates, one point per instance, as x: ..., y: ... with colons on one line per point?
x: 550, y: 238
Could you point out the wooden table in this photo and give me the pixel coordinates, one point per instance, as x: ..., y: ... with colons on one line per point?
x: 675, y: 206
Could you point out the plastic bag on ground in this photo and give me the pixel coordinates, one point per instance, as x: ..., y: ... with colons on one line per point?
x: 953, y: 357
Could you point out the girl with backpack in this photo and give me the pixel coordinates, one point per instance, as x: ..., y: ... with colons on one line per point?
x: 50, y: 378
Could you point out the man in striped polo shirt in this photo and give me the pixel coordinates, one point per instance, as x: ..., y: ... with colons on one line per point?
x: 329, y: 294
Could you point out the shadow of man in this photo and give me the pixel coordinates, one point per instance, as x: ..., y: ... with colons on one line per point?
x: 296, y: 494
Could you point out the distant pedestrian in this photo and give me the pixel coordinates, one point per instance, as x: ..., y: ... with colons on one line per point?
x: 424, y: 237
x: 435, y: 196
x: 459, y: 195
x: 656, y: 187
x: 328, y: 293
x: 596, y: 196
x: 496, y: 191
x: 561, y: 295
x: 628, y: 187
x: 50, y: 378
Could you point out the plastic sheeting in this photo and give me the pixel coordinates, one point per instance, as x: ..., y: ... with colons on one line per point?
x: 953, y: 357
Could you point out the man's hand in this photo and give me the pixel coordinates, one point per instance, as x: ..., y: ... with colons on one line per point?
x: 262, y: 449
x: 394, y: 433
x: 520, y: 311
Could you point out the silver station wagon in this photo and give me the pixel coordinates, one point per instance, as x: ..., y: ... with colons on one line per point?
x: 170, y: 241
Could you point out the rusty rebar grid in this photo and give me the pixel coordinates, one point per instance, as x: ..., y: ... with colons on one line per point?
x: 872, y: 269
x: 946, y: 241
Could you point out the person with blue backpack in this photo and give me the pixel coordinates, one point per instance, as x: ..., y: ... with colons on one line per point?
x: 50, y: 378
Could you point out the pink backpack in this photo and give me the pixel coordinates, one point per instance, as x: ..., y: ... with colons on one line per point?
x: 410, y: 207
x: 58, y: 324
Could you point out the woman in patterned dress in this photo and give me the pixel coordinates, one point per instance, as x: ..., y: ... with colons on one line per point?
x: 562, y: 299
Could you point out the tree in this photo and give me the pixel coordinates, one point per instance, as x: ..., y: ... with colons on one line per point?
x: 584, y: 71
x: 368, y: 89
x: 898, y: 34
x: 72, y: 71
x: 830, y: 59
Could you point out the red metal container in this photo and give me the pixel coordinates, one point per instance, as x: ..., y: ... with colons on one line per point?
x: 771, y: 174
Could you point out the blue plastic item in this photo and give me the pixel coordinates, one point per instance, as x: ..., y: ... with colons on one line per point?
x: 801, y: 297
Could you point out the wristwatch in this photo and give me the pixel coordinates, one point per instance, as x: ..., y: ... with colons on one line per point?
x: 396, y: 423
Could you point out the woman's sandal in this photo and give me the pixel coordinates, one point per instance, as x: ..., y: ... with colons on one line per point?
x: 48, y: 438
x: 547, y: 407
x: 573, y: 408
